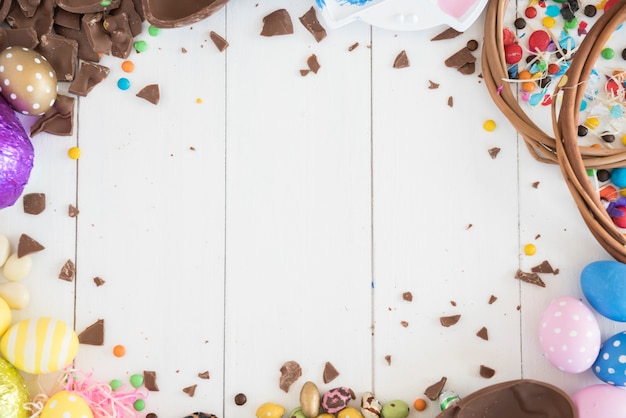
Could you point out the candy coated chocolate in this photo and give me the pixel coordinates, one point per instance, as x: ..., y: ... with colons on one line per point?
x: 539, y: 40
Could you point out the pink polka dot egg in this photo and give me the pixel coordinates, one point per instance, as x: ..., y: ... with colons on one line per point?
x: 66, y: 404
x: 569, y: 335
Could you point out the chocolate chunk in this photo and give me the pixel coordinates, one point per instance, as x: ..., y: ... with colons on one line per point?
x: 493, y: 152
x: 58, y: 120
x: 120, y: 35
x: 447, y: 34
x: 388, y: 359
x: 5, y: 6
x: 67, y: 271
x: 432, y: 85
x: 61, y: 53
x: 87, y: 6
x: 313, y: 64
x: 404, y: 324
x: 26, y: 37
x: 93, y: 334
x: 34, y: 203
x: 353, y: 47
x: 532, y: 278
x: 204, y: 375
x: 408, y: 296
x: 173, y: 14
x: 72, y: 211
x: 460, y: 58
x: 240, y: 399
x: 468, y: 68
x: 310, y: 22
x: 330, y: 373
x: 133, y: 17
x: 85, y: 50
x: 448, y: 321
x: 190, y: 390
x: 88, y: 77
x: 28, y: 7
x: 305, y: 72
x: 432, y: 392
x: 277, y: 23
x: 150, y: 93
x: 487, y: 372
x: 41, y: 21
x: 544, y: 267
x: 402, y: 60
x: 98, y: 281
x: 98, y: 37
x: 66, y: 19
x: 26, y: 245
x: 483, y: 333
x: 289, y: 373
x: 219, y: 41
x: 492, y: 299
x: 149, y: 381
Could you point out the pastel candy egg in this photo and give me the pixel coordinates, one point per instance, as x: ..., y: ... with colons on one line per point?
x: 396, y: 409
x: 600, y: 401
x: 604, y: 285
x: 5, y: 249
x: 337, y: 399
x: 569, y: 335
x: 297, y: 413
x: 28, y: 81
x: 66, y: 405
x: 13, y: 392
x: 610, y: 366
x: 15, y: 294
x: 5, y: 316
x: 349, y: 412
x: 16, y: 268
x: 270, y: 410
x: 41, y: 345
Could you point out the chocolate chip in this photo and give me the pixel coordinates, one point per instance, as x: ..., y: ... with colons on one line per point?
x: 472, y: 45
x: 72, y: 211
x: 311, y: 23
x: 34, y: 203
x: 330, y: 373
x: 483, y: 333
x: 67, y: 271
x: 219, y: 41
x: 240, y: 399
x: 277, y: 23
x: 388, y: 359
x: 190, y: 390
x: 93, y: 334
x: 520, y: 23
x: 590, y: 10
x: 487, y: 372
x: 608, y: 138
x: 603, y: 175
x: 289, y: 373
x: 448, y: 321
x: 402, y: 60
x: 432, y: 392
x: 26, y: 245
x: 149, y: 381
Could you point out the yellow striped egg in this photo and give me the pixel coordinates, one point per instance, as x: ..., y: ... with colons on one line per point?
x: 41, y: 345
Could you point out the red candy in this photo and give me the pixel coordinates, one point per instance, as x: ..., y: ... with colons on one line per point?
x: 507, y: 37
x: 538, y: 40
x: 553, y: 68
x: 530, y: 12
x: 609, y: 4
x: 613, y: 87
x: 512, y: 53
x: 620, y: 220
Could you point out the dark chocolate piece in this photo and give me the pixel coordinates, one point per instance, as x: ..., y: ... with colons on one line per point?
x: 66, y: 19
x: 289, y: 373
x: 532, y: 278
x: 432, y: 85
x: 408, y: 296
x: 93, y: 334
x: 99, y: 38
x: 313, y: 64
x: 190, y: 390
x: 544, y: 267
x: 87, y: 6
x: 58, y: 120
x: 98, y: 281
x: 72, y: 211
x: 149, y: 381
x: 204, y: 375
x: 486, y: 372
x: 26, y: 37
x: 447, y: 34
x: 483, y: 333
x: 402, y: 60
x: 310, y: 22
x: 219, y: 41
x: 174, y: 14
x: 150, y: 93
x: 34, y: 203
x: 85, y: 50
x: 240, y: 399
x: 277, y: 23
x: 448, y: 321
x: 493, y: 152
x: 26, y: 245
x: 432, y: 392
x: 330, y: 373
x: 67, y: 271
x: 120, y: 35
x: 88, y: 77
x: 132, y: 15
x: 61, y: 53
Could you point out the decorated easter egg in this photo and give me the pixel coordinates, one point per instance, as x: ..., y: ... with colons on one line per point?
x: 5, y: 316
x: 600, y: 401
x: 27, y: 80
x: 604, y: 286
x: 13, y: 392
x: 66, y: 404
x: 610, y: 366
x: 569, y: 335
x: 41, y: 345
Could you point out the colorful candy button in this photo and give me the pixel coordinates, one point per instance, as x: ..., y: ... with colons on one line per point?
x: 539, y: 40
x: 513, y: 53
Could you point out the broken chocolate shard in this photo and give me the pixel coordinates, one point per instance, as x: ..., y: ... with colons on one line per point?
x: 87, y: 6
x: 58, y: 120
x: 408, y: 296
x: 535, y: 185
x: 493, y: 152
x: 26, y: 37
x: 72, y: 211
x: 311, y: 23
x: 353, y: 47
x: 190, y: 390
x: 277, y: 23
x: 150, y: 93
x: 492, y: 299
x: 460, y: 58
x: 330, y: 373
x: 93, y: 334
x: 26, y: 245
x: 66, y: 19
x: 88, y: 77
x: 544, y: 267
x: 149, y: 381
x: 449, y: 33
x: 313, y: 64
x: 219, y: 41
x: 467, y: 68
x: 67, y: 271
x: 204, y: 375
x: 133, y: 17
x: 304, y: 72
x: 289, y: 373
x: 34, y: 203
x: 98, y: 281
x: 451, y: 101
x: 120, y: 34
x: 98, y: 37
x: 448, y: 321
x: 405, y: 324
x: 28, y: 7
x: 483, y: 333
x: 486, y: 372
x: 41, y: 21
x: 61, y: 53
x: 388, y: 359
x: 432, y: 392
x: 402, y: 60
x: 532, y: 278
x: 432, y: 85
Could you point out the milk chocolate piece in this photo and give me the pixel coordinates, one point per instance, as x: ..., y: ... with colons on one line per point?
x: 330, y: 373
x: 388, y: 359
x: 305, y: 72
x: 353, y: 47
x: 451, y: 101
x: 34, y: 203
x: 219, y: 42
x: 87, y: 6
x: 313, y: 64
x: 61, y: 53
x: 289, y: 373
x: 204, y: 375
x: 486, y: 372
x: 277, y: 23
x: 26, y: 245
x: 408, y: 296
x: 41, y: 21
x: 120, y: 34
x: 483, y: 333
x: 26, y: 37
x: 93, y: 334
x: 5, y: 6
x: 67, y: 271
x: 514, y: 399
x: 432, y: 85
x: 467, y: 68
x: 28, y: 7
x: 535, y: 185
x: 404, y: 323
x: 402, y: 60
x: 460, y: 58
x: 85, y: 50
x: 447, y: 34
x: 98, y: 281
x: 310, y: 22
x: 66, y: 19
x: 173, y: 14
x: 544, y: 267
x: 532, y: 278
x: 493, y: 152
x: 58, y: 120
x: 72, y: 211
x: 492, y: 299
x: 190, y: 390
x: 132, y: 16
x: 88, y: 77
x: 448, y: 321
x: 150, y: 93
x: 149, y: 381
x: 98, y: 38
x: 432, y: 392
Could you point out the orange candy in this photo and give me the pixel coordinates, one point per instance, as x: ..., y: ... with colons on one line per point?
x: 119, y: 351
x: 419, y: 404
x: 128, y: 66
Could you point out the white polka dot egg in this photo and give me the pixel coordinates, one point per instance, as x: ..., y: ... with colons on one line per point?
x: 66, y: 405
x: 27, y: 80
x: 610, y: 366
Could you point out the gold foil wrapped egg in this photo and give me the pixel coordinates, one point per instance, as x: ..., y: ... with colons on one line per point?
x: 27, y: 80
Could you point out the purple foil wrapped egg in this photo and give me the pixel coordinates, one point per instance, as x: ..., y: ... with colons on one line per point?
x: 16, y: 156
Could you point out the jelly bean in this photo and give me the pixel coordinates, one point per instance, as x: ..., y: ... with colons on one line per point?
x: 15, y: 294
x: 139, y: 405
x: 528, y: 86
x: 153, y: 30
x: 530, y: 249
x: 16, y: 268
x: 115, y: 384
x: 592, y: 123
x: 539, y: 40
x: 553, y: 69
x: 5, y: 249
x: 512, y: 53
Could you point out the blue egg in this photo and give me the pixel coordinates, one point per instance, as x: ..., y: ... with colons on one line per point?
x: 604, y: 286
x: 618, y: 177
x: 610, y: 365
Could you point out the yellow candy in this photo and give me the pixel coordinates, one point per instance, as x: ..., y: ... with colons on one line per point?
x: 270, y: 410
x: 325, y: 416
x: 66, y: 405
x: 548, y: 22
x: 5, y: 316
x: 592, y: 123
x: 74, y: 153
x: 489, y: 125
x: 350, y: 412
x: 530, y: 249
x: 41, y: 345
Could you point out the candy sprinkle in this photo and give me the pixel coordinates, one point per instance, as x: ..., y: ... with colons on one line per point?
x: 119, y: 350
x: 489, y: 125
x: 530, y: 249
x: 74, y: 153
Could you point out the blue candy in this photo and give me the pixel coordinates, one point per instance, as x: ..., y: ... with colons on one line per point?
x: 610, y: 365
x: 604, y: 285
x: 618, y: 177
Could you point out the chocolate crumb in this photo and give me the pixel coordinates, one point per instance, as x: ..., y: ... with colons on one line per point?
x: 432, y: 392
x: 289, y: 373
x: 451, y: 101
x: 402, y: 60
x: 408, y: 296
x: 492, y: 299
x: 305, y: 72
x: 537, y: 236
x: 532, y: 278
x: 493, y: 152
x: 388, y: 359
x: 149, y: 381
x: 219, y: 41
x: 330, y: 373
x: 34, y: 203
x: 313, y: 64
x: 544, y: 267
x: 98, y: 281
x: 518, y: 307
x: 432, y: 85
x: 150, y: 93
x: 72, y: 211
x: 277, y: 23
x: 93, y: 334
x: 448, y: 321
x: 310, y: 22
x: 190, y: 390
x: 404, y: 324
x: 353, y: 47
x: 240, y: 399
x: 535, y: 185
x: 486, y: 372
x: 183, y: 50
x: 204, y: 375
x: 483, y: 333
x: 453, y: 303
x: 469, y: 226
x: 449, y: 33
x: 26, y: 245
x: 67, y: 271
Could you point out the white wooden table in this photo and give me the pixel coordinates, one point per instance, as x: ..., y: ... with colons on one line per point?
x: 256, y: 216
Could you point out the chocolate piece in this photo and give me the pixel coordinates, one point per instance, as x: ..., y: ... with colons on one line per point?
x: 88, y: 77
x: 460, y: 58
x: 313, y: 64
x: 41, y: 21
x: 174, y: 14
x: 204, y: 375
x: 26, y: 37
x: 34, y: 203
x: 408, y: 296
x: 28, y: 7
x: 432, y: 392
x: 330, y: 373
x: 289, y: 373
x: 277, y: 23
x: 240, y: 399
x: 61, y: 53
x: 468, y: 68
x: 190, y: 390
x: 87, y: 6
x: 93, y: 334
x: 353, y: 47
x: 493, y: 152
x: 483, y: 333
x: 447, y: 34
x: 98, y: 38
x: 532, y: 278
x: 310, y: 22
x: 26, y: 245
x: 404, y: 324
x: 199, y: 415
x: 453, y: 303
x: 472, y: 45
x: 120, y: 34
x: 132, y: 16
x: 5, y: 6
x: 451, y: 101
x: 219, y: 42
x: 85, y: 50
x: 402, y: 60
x: 305, y: 72
x: 544, y: 267
x: 388, y: 359
x: 469, y: 226
x: 66, y: 19
x: 514, y: 399
x: 149, y: 381
x: 72, y: 211
x: 67, y: 271
x: 150, y: 93
x: 492, y: 299
x: 58, y: 120
x: 448, y: 321
x: 432, y: 85
x: 486, y: 372
x: 98, y: 281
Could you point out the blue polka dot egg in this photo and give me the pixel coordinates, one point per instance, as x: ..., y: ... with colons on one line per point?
x: 610, y: 366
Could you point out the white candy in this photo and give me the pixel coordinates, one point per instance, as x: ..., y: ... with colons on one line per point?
x: 5, y: 249
x: 15, y: 269
x: 15, y: 294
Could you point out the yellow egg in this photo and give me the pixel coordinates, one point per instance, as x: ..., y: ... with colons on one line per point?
x: 66, y: 405
x: 349, y: 412
x: 5, y: 316
x: 270, y: 410
x: 41, y: 345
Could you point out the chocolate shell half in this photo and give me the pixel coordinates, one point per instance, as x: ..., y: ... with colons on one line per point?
x: 173, y: 14
x: 515, y: 399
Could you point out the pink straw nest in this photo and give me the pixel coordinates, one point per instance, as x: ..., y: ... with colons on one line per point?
x: 563, y: 147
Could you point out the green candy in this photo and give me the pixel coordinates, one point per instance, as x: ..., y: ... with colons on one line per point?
x: 13, y: 392
x: 297, y: 413
x: 395, y: 409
